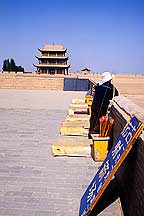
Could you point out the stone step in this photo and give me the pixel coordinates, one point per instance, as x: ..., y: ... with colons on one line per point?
x: 84, y: 123
x: 78, y: 117
x: 78, y: 101
x: 73, y: 130
x: 72, y: 146
x: 80, y: 105
x: 77, y: 110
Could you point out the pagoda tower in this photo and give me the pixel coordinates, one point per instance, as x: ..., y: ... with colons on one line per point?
x: 53, y: 60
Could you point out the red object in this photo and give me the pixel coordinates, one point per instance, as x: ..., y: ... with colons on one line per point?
x: 106, y: 123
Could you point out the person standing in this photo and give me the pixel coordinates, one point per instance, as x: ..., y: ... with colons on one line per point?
x: 104, y: 92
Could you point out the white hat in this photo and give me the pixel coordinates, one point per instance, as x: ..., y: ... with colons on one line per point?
x: 105, y: 77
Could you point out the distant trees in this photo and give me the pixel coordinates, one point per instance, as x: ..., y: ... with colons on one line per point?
x: 9, y: 65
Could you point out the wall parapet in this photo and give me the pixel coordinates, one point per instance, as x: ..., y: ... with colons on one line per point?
x: 130, y: 175
x: 30, y: 81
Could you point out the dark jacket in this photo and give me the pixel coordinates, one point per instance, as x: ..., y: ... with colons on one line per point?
x: 103, y: 95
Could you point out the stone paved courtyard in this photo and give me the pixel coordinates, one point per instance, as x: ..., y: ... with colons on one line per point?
x: 32, y: 181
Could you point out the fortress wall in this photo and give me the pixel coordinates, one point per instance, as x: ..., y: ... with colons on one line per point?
x: 126, y: 84
x: 131, y: 86
x: 23, y: 81
x: 130, y: 175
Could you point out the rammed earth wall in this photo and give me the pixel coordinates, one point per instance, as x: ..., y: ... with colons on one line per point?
x: 30, y: 81
x: 43, y: 81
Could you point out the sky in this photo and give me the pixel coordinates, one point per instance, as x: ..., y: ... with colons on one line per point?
x: 103, y: 35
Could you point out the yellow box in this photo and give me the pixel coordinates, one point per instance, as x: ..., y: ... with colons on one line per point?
x: 88, y: 99
x: 99, y: 147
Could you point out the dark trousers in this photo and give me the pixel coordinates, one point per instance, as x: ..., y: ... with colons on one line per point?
x: 94, y: 120
x: 94, y: 123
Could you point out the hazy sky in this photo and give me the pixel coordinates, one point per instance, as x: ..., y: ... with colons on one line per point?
x: 99, y: 34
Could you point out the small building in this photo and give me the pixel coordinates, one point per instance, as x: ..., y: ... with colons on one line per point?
x: 53, y: 60
x: 85, y: 71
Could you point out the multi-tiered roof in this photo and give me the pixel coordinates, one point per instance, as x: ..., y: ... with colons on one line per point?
x: 53, y: 60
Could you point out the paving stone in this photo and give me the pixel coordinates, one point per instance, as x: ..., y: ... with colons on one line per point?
x: 18, y: 212
x: 34, y: 189
x: 18, y: 193
x: 32, y: 181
